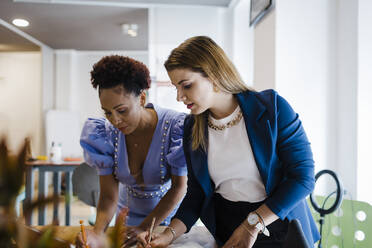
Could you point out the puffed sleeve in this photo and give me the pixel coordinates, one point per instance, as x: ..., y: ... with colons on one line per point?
x: 97, y: 145
x: 176, y: 157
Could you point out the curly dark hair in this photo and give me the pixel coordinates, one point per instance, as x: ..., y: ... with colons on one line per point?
x: 115, y: 70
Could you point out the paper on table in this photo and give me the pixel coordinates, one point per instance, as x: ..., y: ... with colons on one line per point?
x: 198, y: 237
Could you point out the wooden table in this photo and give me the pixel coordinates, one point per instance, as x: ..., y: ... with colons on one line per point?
x: 197, y: 237
x: 55, y: 168
x: 69, y: 233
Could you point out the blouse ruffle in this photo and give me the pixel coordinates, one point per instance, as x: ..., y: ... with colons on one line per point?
x: 97, y: 144
x: 175, y: 157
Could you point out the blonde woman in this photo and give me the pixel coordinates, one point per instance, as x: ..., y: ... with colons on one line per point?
x: 250, y: 165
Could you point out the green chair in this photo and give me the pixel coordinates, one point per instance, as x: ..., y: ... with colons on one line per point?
x: 348, y: 227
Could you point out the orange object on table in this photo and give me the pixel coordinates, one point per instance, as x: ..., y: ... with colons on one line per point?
x: 71, y: 159
x: 84, y: 234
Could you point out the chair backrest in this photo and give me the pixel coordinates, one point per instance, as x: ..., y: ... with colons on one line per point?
x: 349, y: 226
x: 85, y: 184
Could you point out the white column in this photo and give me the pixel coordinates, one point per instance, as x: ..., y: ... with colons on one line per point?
x: 65, y: 75
x: 264, y: 53
x: 346, y: 91
x: 242, y: 40
x: 364, y: 113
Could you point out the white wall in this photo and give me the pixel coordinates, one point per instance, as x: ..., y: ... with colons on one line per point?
x: 303, y: 67
x: 47, y: 100
x: 20, y: 98
x: 172, y: 25
x: 346, y: 89
x: 169, y: 27
x: 264, y: 53
x: 48, y: 77
x: 364, y: 100
x: 316, y: 70
x: 65, y: 76
x: 48, y: 89
x: 242, y: 40
x: 229, y: 27
x: 74, y: 90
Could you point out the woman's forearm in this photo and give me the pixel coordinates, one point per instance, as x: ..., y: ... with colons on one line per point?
x: 107, y: 203
x: 105, y: 211
x: 266, y: 214
x: 166, y: 204
x: 178, y: 227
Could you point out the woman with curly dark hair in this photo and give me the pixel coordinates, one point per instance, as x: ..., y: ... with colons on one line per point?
x: 137, y: 150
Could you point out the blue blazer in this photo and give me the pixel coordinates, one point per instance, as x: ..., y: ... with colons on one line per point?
x: 283, y: 156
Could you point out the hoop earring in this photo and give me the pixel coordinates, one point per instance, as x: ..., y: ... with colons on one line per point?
x: 142, y: 99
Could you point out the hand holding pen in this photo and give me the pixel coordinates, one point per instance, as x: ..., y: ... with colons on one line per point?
x: 83, y: 233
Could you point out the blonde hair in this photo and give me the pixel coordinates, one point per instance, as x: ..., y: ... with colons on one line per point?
x: 201, y: 54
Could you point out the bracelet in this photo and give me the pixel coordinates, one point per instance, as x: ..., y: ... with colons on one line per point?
x: 263, y: 222
x: 172, y: 231
x: 249, y: 232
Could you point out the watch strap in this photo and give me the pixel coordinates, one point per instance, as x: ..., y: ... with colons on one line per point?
x: 262, y: 229
x: 260, y: 224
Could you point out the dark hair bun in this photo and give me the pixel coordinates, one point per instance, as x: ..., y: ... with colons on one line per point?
x: 115, y: 70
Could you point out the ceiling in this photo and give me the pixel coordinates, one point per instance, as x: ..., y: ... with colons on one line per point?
x: 82, y: 24
x: 10, y: 41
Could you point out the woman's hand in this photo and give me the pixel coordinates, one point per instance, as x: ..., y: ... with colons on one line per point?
x: 131, y: 235
x: 244, y: 236
x: 94, y: 240
x: 161, y: 240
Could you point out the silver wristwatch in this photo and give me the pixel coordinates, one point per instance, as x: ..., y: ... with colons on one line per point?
x: 254, y: 220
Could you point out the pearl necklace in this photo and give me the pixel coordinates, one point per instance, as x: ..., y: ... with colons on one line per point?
x: 231, y: 123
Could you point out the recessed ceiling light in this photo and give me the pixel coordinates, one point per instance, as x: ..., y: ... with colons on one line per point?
x: 129, y: 29
x: 20, y: 22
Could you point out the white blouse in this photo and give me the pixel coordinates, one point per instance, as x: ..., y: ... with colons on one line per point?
x: 231, y: 162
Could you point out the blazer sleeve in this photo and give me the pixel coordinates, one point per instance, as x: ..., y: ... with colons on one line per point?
x: 295, y: 155
x: 191, y: 206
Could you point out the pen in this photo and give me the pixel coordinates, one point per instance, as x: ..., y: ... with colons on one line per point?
x: 151, y: 229
x: 84, y: 234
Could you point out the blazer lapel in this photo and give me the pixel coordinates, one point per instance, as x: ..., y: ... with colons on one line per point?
x: 258, y: 130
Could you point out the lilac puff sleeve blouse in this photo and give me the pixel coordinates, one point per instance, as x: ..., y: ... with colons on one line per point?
x: 105, y: 149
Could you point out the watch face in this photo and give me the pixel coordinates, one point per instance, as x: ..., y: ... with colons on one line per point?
x: 252, y: 219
